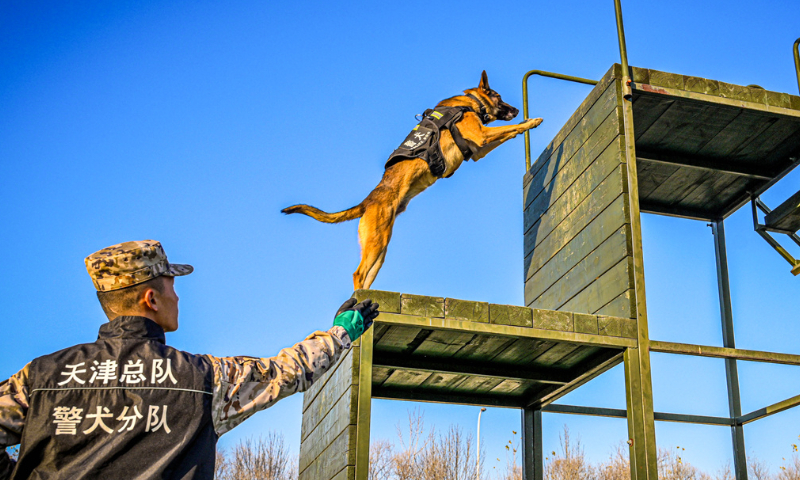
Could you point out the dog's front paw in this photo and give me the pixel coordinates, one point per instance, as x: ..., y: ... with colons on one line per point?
x: 532, y: 122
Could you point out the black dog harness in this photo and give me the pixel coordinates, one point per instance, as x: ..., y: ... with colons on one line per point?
x: 423, y: 141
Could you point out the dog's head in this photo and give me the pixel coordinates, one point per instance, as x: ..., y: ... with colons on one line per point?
x: 495, y: 107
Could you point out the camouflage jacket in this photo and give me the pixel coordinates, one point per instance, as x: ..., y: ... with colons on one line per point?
x: 109, y: 401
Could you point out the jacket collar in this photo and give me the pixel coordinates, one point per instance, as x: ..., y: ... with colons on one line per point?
x: 132, y: 327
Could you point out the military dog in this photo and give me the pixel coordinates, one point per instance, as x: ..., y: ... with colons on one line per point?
x: 462, y: 133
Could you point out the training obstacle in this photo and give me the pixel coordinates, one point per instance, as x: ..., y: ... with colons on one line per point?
x: 643, y: 141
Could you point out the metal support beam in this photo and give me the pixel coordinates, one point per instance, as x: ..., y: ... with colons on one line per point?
x: 770, y: 410
x: 619, y: 413
x: 731, y: 370
x: 532, y: 445
x: 721, y: 352
x: 364, y: 404
x: 698, y: 163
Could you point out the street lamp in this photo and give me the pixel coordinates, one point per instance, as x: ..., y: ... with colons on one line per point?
x: 478, y: 469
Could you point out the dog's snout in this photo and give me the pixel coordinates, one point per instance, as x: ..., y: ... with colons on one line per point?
x: 511, y: 113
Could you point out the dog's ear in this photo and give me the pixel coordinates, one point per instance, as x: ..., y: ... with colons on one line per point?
x: 484, y: 85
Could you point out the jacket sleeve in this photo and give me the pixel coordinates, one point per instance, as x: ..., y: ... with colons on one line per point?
x: 245, y: 385
x: 13, y: 408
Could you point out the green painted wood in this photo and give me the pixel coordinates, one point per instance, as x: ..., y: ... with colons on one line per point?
x: 549, y: 235
x: 616, y: 326
x: 730, y: 140
x: 484, y: 347
x: 467, y: 398
x: 622, y: 306
x: 510, y: 315
x: 507, y: 331
x: 441, y: 381
x: 400, y: 338
x: 380, y: 374
x: 554, y: 354
x: 550, y: 270
x: 443, y: 344
x: 721, y: 352
x: 476, y: 385
x: 406, y: 378
x: 665, y: 79
x: 786, y: 216
x: 702, y: 85
x: 647, y: 109
x: 585, y: 323
x: 333, y: 459
x: 576, y: 357
x: 466, y: 310
x: 586, y: 371
x: 553, y: 320
x: 573, y: 121
x: 573, y: 186
x: 360, y: 455
x: 602, y: 111
x: 609, y: 253
x: 509, y: 388
x: 521, y: 351
x: 342, y: 375
x: 421, y: 305
x: 551, y: 266
x: 338, y: 417
x: 389, y: 301
x: 609, y: 286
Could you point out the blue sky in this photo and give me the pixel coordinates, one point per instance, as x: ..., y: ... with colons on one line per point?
x: 194, y: 123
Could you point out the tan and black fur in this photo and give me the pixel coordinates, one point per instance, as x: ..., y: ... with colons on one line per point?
x: 404, y: 180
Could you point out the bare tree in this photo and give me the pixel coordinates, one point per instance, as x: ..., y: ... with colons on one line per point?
x: 757, y: 469
x: 380, y: 460
x: 265, y: 458
x: 570, y: 462
x: 618, y: 466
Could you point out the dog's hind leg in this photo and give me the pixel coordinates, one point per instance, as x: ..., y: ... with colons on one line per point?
x: 374, y: 233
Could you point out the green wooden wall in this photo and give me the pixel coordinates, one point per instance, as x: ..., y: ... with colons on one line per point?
x: 328, y: 432
x: 578, y: 253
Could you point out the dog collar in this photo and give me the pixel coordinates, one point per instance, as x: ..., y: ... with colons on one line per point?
x: 482, y: 113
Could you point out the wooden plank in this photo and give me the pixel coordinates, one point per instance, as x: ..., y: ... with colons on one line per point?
x: 360, y: 455
x: 442, y: 381
x: 576, y: 357
x: 553, y: 355
x: 510, y: 315
x: 707, y: 194
x: 469, y: 367
x: 652, y: 176
x: 406, y: 378
x: 483, y: 347
x: 508, y: 387
x: 786, y: 216
x: 622, y: 306
x: 603, y: 112
x: 421, y: 305
x: 389, y: 301
x: 380, y: 374
x: 686, y: 127
x: 401, y: 338
x: 678, y: 185
x: 522, y: 350
x: 547, y: 266
x: 442, y: 343
x: 740, y: 132
x: 553, y: 320
x: 719, y: 100
x: 570, y: 124
x: 615, y: 281
x: 587, y: 271
x: 332, y: 460
x: 646, y: 110
x: 476, y: 385
x: 573, y: 186
x: 336, y: 420
x: 582, y: 373
x: 543, y: 192
x: 551, y: 233
x: 721, y: 352
x: 342, y: 374
x: 466, y: 310
x: 465, y: 398
x: 431, y: 324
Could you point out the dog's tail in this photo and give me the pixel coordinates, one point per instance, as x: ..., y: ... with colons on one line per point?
x: 317, y: 214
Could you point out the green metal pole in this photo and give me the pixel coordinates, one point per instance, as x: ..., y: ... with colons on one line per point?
x: 797, y: 61
x: 525, y: 102
x: 623, y: 52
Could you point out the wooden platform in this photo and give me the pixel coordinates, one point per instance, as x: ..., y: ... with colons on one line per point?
x: 702, y: 145
x: 456, y: 351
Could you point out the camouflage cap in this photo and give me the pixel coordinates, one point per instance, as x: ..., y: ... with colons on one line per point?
x: 131, y: 263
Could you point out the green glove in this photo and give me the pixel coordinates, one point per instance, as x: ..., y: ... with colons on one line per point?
x: 356, y: 318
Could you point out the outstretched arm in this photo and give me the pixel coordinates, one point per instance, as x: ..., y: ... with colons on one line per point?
x: 245, y: 385
x: 13, y: 408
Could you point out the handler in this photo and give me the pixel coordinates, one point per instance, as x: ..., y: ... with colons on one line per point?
x: 128, y: 405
